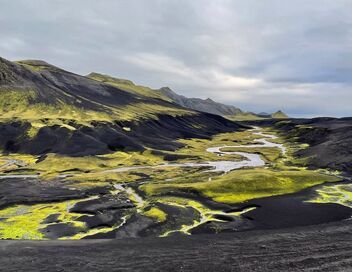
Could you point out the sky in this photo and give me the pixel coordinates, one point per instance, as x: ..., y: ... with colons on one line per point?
x: 259, y: 55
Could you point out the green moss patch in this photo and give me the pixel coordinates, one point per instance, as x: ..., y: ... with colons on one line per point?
x: 242, y: 185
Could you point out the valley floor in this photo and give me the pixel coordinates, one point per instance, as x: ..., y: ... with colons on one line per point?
x: 273, y: 215
x: 234, y: 182
x: 325, y: 247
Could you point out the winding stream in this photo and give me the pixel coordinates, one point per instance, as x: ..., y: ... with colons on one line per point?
x: 251, y: 159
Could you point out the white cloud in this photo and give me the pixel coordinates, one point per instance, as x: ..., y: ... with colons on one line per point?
x: 260, y: 55
x: 11, y: 44
x: 198, y: 77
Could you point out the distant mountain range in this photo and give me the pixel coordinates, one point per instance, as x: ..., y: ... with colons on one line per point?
x: 204, y: 105
x: 210, y: 106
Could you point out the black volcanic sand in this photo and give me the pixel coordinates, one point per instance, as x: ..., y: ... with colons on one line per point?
x: 283, y: 212
x: 33, y: 191
x: 277, y: 212
x: 138, y: 225
x: 325, y: 247
x: 292, y: 210
x: 55, y: 231
x: 108, y: 210
x: 106, y: 202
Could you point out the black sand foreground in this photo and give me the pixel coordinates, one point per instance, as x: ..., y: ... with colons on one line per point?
x: 325, y: 247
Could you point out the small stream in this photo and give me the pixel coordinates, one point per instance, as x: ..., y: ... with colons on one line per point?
x: 251, y: 159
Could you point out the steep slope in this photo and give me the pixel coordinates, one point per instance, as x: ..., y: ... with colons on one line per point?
x: 46, y: 109
x: 203, y: 105
x: 33, y: 87
x: 128, y: 86
x: 328, y: 140
x: 198, y: 104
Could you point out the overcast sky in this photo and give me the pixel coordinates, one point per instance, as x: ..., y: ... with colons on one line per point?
x: 260, y: 55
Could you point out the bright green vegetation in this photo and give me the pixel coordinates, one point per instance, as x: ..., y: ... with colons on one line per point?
x: 28, y: 104
x: 26, y: 158
x: 339, y: 194
x: 23, y: 104
x: 49, y: 104
x: 242, y: 185
x: 197, y: 147
x: 15, y: 100
x: 25, y: 222
x: 283, y: 174
x: 245, y: 116
x: 157, y: 214
x: 279, y: 115
x: 20, y: 105
x: 12, y: 162
x: 86, y: 167
x: 128, y: 86
x: 37, y: 65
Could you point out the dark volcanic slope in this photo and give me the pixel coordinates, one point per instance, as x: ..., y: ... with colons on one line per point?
x: 53, y: 85
x: 46, y: 109
x: 329, y: 139
x: 103, y: 137
x: 315, y: 248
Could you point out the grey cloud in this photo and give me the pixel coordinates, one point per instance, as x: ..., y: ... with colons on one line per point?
x: 260, y: 55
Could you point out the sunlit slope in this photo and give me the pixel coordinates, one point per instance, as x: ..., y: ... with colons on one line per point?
x: 46, y: 109
x: 32, y: 89
x: 129, y: 86
x: 279, y: 115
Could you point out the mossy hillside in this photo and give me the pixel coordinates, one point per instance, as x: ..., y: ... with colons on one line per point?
x: 242, y: 185
x: 15, y: 162
x: 128, y: 86
x: 246, y: 116
x: 25, y: 158
x: 22, y: 105
x: 61, y: 94
x: 37, y: 65
x: 279, y: 115
x: 15, y: 100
